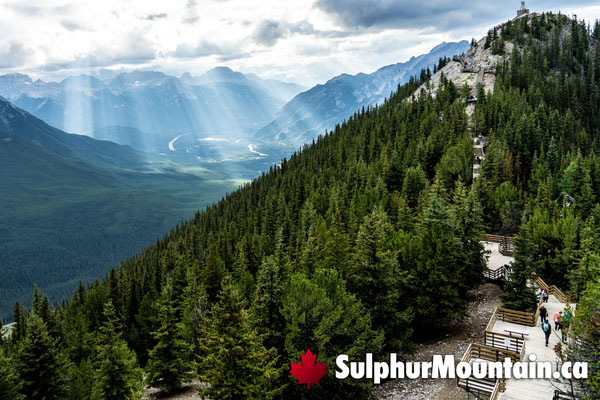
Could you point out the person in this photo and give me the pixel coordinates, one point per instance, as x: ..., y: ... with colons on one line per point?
x: 555, y: 319
x: 547, y: 330
x: 545, y: 296
x: 558, y: 322
x: 539, y: 294
x: 565, y: 320
x: 543, y: 314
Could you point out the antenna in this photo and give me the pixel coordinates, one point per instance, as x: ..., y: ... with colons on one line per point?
x: 523, y: 4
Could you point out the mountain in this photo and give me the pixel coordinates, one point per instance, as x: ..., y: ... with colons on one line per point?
x: 83, y: 148
x: 366, y: 241
x: 72, y: 206
x: 311, y: 113
x: 219, y: 103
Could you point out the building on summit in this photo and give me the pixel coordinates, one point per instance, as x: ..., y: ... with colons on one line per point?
x: 522, y: 10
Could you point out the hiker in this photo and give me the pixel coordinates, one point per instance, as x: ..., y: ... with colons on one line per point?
x: 565, y: 320
x: 539, y: 294
x: 557, y: 318
x: 543, y: 314
x: 545, y: 296
x: 547, y: 330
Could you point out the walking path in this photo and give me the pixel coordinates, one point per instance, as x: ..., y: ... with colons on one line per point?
x: 515, y: 334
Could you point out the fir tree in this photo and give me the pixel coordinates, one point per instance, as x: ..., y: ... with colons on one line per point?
x: 116, y: 373
x: 10, y: 384
x: 236, y: 365
x: 169, y: 364
x: 42, y: 367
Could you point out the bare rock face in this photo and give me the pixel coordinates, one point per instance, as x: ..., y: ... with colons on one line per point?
x: 477, y: 65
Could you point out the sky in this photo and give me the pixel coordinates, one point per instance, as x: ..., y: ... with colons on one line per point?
x: 301, y: 41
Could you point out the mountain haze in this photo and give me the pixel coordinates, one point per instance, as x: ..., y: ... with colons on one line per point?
x: 314, y: 111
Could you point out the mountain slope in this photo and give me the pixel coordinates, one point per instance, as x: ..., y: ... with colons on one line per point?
x: 64, y: 218
x: 107, y: 154
x: 312, y: 112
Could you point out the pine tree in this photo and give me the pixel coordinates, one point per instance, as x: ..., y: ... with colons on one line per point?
x: 266, y: 308
x: 376, y: 278
x: 20, y: 327
x: 518, y: 295
x: 116, y: 373
x: 236, y: 365
x: 323, y: 316
x: 9, y: 378
x: 169, y: 364
x: 42, y: 367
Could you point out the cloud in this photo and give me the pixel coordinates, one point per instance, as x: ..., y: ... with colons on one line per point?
x: 12, y: 55
x: 72, y: 26
x: 203, y: 49
x: 191, y: 12
x: 442, y: 15
x: 154, y: 17
x: 269, y: 31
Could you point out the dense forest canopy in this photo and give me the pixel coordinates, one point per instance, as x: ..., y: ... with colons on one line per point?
x: 363, y: 241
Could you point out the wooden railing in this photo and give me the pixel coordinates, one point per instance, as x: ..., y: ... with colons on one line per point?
x: 489, y: 353
x: 500, y: 387
x: 500, y: 273
x: 504, y: 341
x: 507, y: 243
x: 553, y: 290
x: 489, y: 386
x: 516, y: 317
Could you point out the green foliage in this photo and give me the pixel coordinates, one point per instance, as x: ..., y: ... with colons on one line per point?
x: 236, y: 365
x: 321, y: 315
x: 585, y: 327
x: 10, y: 384
x: 43, y: 368
x: 169, y: 363
x: 116, y: 373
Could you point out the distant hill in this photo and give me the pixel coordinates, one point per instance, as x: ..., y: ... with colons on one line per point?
x: 72, y: 206
x: 312, y: 112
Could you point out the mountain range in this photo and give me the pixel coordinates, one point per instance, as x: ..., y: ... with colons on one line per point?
x: 220, y: 102
x: 314, y: 111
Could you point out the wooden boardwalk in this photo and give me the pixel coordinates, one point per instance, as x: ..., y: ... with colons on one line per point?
x: 534, y: 389
x: 518, y: 334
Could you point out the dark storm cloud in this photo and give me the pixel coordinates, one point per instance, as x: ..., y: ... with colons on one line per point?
x: 440, y: 14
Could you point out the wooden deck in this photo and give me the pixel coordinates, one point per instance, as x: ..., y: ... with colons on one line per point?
x: 517, y: 334
x: 542, y: 389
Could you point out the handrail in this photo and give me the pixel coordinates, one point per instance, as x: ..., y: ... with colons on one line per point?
x: 490, y: 326
x: 503, y: 341
x: 489, y: 353
x: 553, y: 290
x: 516, y: 317
x: 498, y: 238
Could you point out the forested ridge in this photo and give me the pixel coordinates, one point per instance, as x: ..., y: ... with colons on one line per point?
x: 364, y: 241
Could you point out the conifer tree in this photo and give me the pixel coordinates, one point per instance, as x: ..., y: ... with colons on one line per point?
x: 116, y: 374
x: 267, y: 305
x: 236, y: 365
x: 169, y: 364
x: 9, y: 378
x: 42, y: 367
x: 376, y: 278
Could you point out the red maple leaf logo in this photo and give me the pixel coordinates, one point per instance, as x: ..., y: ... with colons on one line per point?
x: 309, y: 371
